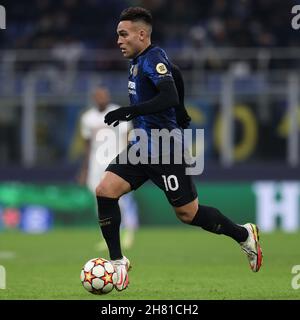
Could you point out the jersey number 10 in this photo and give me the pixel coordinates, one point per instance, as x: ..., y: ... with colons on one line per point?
x: 171, y: 182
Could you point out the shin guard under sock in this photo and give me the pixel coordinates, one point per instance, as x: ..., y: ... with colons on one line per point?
x: 109, y: 221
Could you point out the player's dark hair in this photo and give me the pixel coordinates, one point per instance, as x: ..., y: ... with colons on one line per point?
x: 136, y: 14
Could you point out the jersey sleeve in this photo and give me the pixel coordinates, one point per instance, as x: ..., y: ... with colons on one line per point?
x: 157, y: 68
x: 179, y: 83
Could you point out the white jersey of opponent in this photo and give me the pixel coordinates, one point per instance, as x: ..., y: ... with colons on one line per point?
x: 101, y: 137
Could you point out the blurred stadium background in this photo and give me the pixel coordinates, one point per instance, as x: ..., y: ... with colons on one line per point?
x: 240, y: 61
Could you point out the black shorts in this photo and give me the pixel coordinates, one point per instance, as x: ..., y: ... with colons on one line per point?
x: 171, y: 178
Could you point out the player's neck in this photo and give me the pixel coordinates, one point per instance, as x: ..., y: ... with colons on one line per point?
x: 146, y: 48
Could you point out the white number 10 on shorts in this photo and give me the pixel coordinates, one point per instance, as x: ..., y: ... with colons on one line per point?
x: 171, y: 182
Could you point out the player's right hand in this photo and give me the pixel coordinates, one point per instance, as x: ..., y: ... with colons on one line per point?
x: 121, y: 114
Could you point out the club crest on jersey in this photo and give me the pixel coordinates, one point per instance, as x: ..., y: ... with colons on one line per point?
x: 134, y: 70
x: 161, y: 68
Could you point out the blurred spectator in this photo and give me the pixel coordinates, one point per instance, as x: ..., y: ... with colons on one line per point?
x: 227, y: 23
x: 66, y: 28
x: 95, y: 132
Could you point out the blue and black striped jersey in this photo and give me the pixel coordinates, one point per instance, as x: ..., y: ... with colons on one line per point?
x: 146, y: 71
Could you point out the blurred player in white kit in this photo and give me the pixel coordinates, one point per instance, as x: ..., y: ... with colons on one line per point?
x: 95, y: 163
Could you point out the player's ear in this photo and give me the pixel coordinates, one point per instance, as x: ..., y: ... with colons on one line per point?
x: 142, y: 34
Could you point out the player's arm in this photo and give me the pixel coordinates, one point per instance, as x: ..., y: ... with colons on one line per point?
x: 182, y: 117
x: 167, y: 97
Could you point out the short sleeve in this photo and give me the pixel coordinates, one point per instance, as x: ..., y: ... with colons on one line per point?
x: 156, y: 67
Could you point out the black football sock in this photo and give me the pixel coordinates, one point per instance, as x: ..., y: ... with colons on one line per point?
x: 211, y: 219
x: 109, y: 221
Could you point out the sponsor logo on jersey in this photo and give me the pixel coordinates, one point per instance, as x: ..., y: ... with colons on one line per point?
x: 131, y: 87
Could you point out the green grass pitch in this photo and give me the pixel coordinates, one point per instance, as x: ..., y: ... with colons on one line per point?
x: 168, y: 263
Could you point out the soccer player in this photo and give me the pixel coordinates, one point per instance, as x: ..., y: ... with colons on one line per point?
x: 93, y: 166
x: 156, y: 102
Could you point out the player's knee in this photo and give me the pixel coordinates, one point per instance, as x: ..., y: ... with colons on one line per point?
x: 104, y: 190
x: 185, y: 216
x: 187, y: 212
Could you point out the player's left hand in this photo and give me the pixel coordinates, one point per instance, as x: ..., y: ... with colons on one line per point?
x: 121, y: 114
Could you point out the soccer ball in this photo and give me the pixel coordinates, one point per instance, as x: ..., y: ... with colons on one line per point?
x: 98, y: 276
